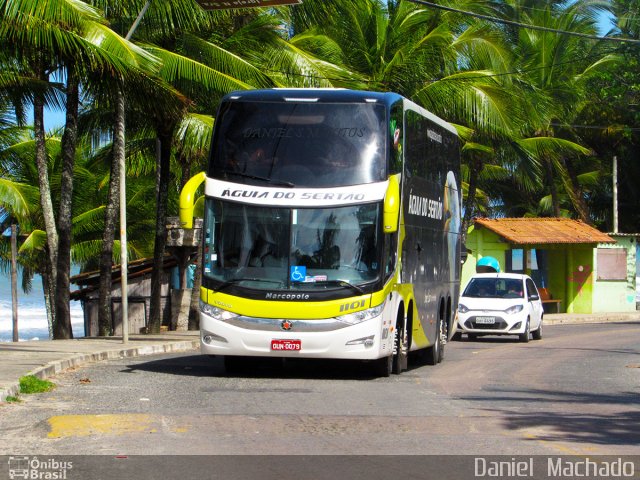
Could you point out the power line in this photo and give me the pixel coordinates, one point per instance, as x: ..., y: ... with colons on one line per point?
x: 524, y: 25
x: 597, y: 127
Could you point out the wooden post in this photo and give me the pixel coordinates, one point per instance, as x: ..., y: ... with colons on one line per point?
x: 14, y: 281
x: 615, y: 194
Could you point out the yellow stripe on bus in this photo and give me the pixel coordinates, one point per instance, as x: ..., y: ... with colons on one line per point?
x: 298, y: 308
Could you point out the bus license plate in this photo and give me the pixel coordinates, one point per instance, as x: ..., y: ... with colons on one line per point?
x: 286, y: 345
x: 486, y: 320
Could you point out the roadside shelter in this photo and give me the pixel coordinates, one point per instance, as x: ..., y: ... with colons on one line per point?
x: 139, y: 298
x: 583, y: 269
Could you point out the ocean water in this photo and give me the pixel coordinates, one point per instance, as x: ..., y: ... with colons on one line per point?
x: 32, y: 316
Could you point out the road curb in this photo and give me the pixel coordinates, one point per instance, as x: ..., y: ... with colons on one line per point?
x: 57, y: 366
x: 551, y: 319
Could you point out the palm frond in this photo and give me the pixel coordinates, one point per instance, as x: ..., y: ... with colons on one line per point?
x: 189, y: 74
x: 18, y: 198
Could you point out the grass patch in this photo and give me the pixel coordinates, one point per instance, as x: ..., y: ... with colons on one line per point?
x: 32, y: 384
x: 12, y: 399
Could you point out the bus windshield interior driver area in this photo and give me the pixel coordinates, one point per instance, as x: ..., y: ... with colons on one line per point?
x: 331, y: 228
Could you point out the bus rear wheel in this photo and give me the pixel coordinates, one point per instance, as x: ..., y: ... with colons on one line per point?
x: 435, y: 353
x: 400, y: 347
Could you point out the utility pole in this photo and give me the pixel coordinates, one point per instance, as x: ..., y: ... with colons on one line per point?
x: 124, y: 280
x: 14, y: 281
x: 615, y: 194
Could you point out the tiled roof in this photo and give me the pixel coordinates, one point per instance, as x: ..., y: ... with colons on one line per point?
x: 532, y: 231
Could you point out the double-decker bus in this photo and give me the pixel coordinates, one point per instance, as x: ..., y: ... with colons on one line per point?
x: 331, y: 228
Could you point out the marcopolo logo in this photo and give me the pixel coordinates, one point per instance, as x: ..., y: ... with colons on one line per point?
x: 36, y: 468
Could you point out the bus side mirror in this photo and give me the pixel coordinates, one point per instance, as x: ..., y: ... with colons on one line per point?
x: 187, y: 199
x: 391, y: 213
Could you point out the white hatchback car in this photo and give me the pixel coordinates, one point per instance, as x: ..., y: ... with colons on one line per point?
x: 500, y: 304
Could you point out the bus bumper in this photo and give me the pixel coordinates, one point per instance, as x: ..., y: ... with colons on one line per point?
x: 367, y: 340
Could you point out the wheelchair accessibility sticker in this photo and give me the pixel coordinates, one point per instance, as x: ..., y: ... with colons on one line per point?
x: 298, y: 274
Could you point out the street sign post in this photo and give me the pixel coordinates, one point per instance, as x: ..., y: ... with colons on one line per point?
x: 223, y: 4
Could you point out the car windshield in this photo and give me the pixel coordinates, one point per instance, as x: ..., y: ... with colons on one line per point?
x: 494, y: 288
x: 276, y: 248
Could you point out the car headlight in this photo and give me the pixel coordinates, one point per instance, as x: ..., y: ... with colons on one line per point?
x: 215, y: 312
x: 514, y: 309
x: 462, y: 308
x: 361, y: 316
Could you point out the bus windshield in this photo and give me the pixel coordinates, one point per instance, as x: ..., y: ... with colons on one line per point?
x: 276, y: 248
x: 300, y: 144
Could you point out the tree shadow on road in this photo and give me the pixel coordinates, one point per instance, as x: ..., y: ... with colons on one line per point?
x: 620, y: 428
x: 603, y: 418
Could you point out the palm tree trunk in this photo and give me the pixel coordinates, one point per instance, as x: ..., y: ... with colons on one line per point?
x: 49, y: 293
x: 555, y: 199
x: 162, y: 188
x: 469, y: 208
x: 111, y: 213
x: 572, y: 185
x: 45, y: 196
x: 62, y: 327
x: 194, y: 306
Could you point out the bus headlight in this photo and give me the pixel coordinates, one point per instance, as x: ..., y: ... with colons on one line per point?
x: 215, y: 312
x: 361, y: 316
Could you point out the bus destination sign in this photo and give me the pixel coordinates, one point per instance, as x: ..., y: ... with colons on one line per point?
x: 223, y: 4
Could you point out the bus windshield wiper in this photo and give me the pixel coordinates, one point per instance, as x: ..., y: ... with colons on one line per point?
x: 343, y: 283
x: 232, y: 281
x: 257, y: 177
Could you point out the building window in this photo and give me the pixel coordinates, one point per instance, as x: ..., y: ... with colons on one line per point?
x: 612, y: 263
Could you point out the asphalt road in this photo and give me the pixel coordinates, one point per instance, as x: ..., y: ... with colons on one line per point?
x: 576, y: 391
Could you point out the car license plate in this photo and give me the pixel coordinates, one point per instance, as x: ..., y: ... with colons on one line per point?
x: 486, y: 320
x: 286, y: 345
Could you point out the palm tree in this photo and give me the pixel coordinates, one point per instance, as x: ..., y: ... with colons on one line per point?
x: 17, y: 199
x: 161, y: 104
x: 451, y: 65
x: 554, y: 69
x: 61, y: 36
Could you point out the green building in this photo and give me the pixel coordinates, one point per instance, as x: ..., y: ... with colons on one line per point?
x: 582, y: 269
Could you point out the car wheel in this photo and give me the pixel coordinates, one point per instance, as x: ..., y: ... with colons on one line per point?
x: 537, y: 334
x: 457, y: 337
x: 524, y: 337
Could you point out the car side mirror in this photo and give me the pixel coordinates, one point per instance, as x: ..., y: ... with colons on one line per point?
x: 533, y: 296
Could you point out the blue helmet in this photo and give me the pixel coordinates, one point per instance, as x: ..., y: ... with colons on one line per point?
x: 487, y: 265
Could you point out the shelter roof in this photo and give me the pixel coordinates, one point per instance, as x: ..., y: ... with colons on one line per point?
x: 548, y: 230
